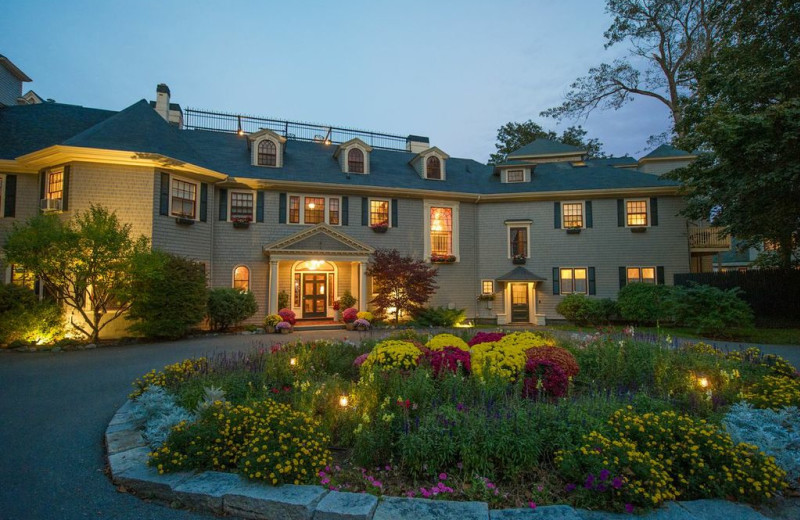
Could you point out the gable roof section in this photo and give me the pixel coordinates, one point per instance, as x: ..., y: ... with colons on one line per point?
x: 139, y: 129
x: 666, y: 151
x: 320, y: 239
x: 13, y: 69
x: 27, y: 128
x: 520, y: 274
x: 352, y: 141
x: 545, y: 147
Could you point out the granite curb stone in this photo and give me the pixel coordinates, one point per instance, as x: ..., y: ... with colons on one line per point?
x: 396, y: 508
x: 262, y: 502
x: 125, y: 460
x: 540, y: 513
x: 721, y: 510
x: 339, y: 505
x: 148, y: 483
x: 205, y: 490
x: 124, y: 440
x: 670, y: 511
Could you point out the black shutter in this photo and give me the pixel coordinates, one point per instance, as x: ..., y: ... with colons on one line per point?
x: 11, y: 196
x: 653, y: 211
x: 589, y: 221
x: 65, y: 189
x: 259, y: 206
x: 394, y: 212
x: 164, y: 194
x: 592, y: 288
x: 556, y: 283
x: 620, y: 213
x: 364, y: 211
x: 345, y: 211
x: 557, y: 216
x: 203, y: 202
x: 660, y: 275
x: 623, y: 277
x: 282, y: 209
x: 223, y: 204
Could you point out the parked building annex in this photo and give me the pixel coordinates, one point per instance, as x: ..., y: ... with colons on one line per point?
x: 272, y: 206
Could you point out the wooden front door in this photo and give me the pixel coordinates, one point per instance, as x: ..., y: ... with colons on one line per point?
x: 520, y: 309
x: 314, y: 296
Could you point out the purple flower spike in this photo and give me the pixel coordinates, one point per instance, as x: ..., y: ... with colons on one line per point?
x: 569, y: 488
x: 616, y: 483
x: 589, y: 481
x: 604, y: 474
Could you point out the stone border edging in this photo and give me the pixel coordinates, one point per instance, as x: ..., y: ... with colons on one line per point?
x: 229, y: 494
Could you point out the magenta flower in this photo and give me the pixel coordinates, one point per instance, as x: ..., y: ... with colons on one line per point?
x: 629, y: 508
x: 442, y: 476
x: 616, y: 483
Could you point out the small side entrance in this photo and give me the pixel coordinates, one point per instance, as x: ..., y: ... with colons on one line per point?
x: 314, y: 300
x: 520, y: 308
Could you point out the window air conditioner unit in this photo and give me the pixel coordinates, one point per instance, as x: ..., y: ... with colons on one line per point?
x: 50, y: 204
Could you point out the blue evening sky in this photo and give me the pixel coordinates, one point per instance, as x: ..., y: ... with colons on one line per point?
x: 453, y: 71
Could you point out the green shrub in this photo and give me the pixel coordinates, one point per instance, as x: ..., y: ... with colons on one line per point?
x: 227, y: 307
x: 439, y: 317
x: 168, y: 295
x: 582, y: 310
x: 710, y: 310
x: 283, y: 300
x: 347, y: 300
x: 23, y: 318
x: 646, y: 304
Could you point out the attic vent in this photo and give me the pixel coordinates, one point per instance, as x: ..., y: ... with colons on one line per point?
x: 579, y: 164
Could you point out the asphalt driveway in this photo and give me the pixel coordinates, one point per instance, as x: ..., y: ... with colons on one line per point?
x: 54, y: 408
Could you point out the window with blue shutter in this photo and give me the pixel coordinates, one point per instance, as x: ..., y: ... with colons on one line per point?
x: 164, y: 205
x: 10, y: 196
x: 223, y: 204
x: 364, y: 211
x: 589, y: 220
x: 394, y: 213
x: 259, y: 206
x: 345, y: 211
x: 623, y: 277
x: 282, y: 208
x: 203, y: 202
x: 620, y: 213
x: 65, y: 190
x: 557, y: 215
x: 653, y: 211
x: 556, y: 287
x: 592, y: 287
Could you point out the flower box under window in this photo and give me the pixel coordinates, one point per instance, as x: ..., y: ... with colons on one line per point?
x: 241, y: 222
x: 573, y: 230
x: 184, y: 221
x: 380, y: 228
x: 518, y: 260
x: 443, y: 259
x: 638, y: 229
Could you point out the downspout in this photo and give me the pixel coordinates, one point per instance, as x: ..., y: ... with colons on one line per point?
x: 477, y: 257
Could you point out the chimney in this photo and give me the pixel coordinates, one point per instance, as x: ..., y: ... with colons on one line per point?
x: 417, y: 143
x: 162, y: 101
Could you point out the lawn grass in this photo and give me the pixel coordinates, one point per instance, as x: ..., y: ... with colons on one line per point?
x: 763, y: 336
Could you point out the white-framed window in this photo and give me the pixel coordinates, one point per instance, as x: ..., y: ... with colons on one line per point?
x: 441, y: 229
x: 515, y: 176
x: 314, y: 209
x: 487, y: 286
x: 573, y: 280
x: 379, y: 212
x: 183, y: 195
x: 242, y: 204
x: 572, y: 215
x: 355, y: 160
x: 241, y: 278
x: 266, y: 153
x: 637, y: 212
x: 519, y: 244
x: 641, y: 275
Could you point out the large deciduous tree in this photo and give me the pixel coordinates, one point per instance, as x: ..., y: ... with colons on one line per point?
x: 746, y: 117
x: 512, y: 136
x: 402, y: 283
x: 84, y: 263
x: 663, y: 38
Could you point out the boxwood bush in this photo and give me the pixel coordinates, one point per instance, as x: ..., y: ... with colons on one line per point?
x: 647, y: 304
x: 227, y: 307
x: 583, y: 310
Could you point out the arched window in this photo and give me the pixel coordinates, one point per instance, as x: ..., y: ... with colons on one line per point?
x: 267, y: 153
x: 355, y: 161
x: 433, y: 168
x: 241, y: 278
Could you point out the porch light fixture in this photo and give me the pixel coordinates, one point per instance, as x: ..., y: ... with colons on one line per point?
x: 313, y: 265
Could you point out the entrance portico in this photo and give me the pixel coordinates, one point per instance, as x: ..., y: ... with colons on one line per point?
x: 519, y: 296
x: 315, y: 267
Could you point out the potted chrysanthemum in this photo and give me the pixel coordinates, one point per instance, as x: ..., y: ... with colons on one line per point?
x: 271, y: 321
x: 349, y: 316
x: 361, y: 324
x: 284, y: 327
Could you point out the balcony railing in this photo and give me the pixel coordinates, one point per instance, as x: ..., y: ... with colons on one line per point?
x: 708, y: 239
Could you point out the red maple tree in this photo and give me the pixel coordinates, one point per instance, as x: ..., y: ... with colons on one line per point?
x: 403, y: 284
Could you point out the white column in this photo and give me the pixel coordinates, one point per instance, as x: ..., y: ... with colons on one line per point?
x: 273, y: 287
x: 362, y: 286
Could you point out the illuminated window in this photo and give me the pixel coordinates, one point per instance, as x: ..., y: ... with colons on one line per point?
x: 487, y: 287
x: 294, y: 209
x: 515, y: 176
x: 519, y: 241
x: 636, y: 211
x: 433, y: 168
x: 184, y: 198
x: 333, y: 212
x: 241, y: 278
x: 314, y: 210
x: 241, y: 205
x: 267, y: 153
x: 355, y: 161
x: 641, y: 275
x: 573, y: 280
x: 441, y: 231
x: 55, y: 185
x: 379, y: 213
x: 573, y: 214
x: 22, y: 277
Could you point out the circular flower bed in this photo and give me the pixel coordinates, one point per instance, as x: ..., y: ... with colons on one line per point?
x: 393, y: 354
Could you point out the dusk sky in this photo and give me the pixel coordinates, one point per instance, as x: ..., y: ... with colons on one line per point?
x: 453, y: 71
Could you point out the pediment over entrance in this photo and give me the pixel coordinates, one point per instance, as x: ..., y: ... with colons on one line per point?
x: 319, y: 240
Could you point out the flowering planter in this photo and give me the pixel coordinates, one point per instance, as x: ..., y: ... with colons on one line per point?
x: 380, y: 229
x: 638, y: 229
x: 349, y: 326
x: 285, y: 331
x: 181, y: 221
x: 443, y: 259
x: 241, y: 225
x: 573, y: 231
x: 518, y: 261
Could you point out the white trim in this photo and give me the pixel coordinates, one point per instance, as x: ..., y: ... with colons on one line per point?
x: 641, y: 278
x: 526, y: 175
x: 583, y: 214
x: 561, y: 280
x: 483, y: 281
x: 298, y: 310
x: 506, y: 317
x: 346, y: 163
x: 230, y: 205
x: 646, y: 201
x: 369, y: 209
x: 525, y: 225
x: 426, y: 217
x: 249, y: 276
x: 442, y: 163
x: 326, y: 214
x: 278, y: 150
x: 173, y: 178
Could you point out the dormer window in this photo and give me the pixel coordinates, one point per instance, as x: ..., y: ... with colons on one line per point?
x: 267, y: 153
x: 433, y: 168
x: 516, y: 176
x: 355, y: 161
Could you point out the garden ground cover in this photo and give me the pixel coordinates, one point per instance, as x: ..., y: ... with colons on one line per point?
x: 514, y: 420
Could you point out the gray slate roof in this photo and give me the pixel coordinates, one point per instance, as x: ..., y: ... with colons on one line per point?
x: 545, y: 147
x: 139, y: 129
x: 664, y: 151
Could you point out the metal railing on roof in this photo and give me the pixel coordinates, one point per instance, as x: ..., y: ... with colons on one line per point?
x: 195, y: 119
